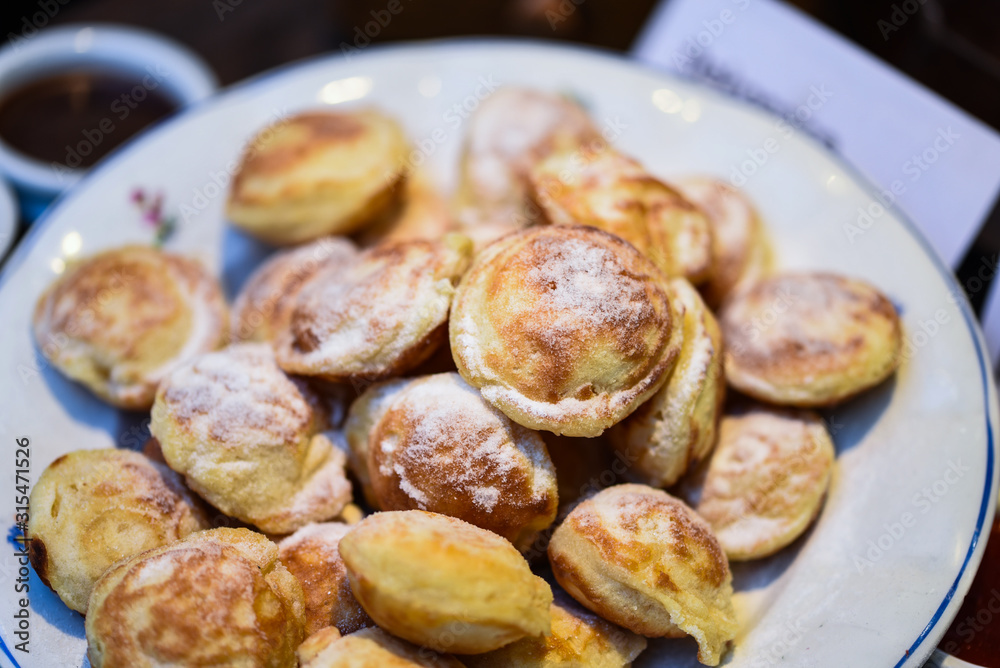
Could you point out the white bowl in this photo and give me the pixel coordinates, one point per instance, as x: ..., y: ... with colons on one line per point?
x: 122, y: 49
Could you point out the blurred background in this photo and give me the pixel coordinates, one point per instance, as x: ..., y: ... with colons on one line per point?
x: 951, y: 46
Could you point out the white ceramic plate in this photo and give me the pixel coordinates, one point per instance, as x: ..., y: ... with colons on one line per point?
x: 874, y: 583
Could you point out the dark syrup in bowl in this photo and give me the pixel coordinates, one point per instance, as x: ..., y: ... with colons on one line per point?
x: 75, y: 117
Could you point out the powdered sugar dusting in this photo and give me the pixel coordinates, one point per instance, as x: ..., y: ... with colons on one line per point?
x: 320, y: 536
x: 261, y: 308
x: 363, y: 318
x: 455, y: 439
x: 486, y: 497
x: 585, y: 284
x: 237, y: 396
x: 511, y: 130
x: 409, y: 488
x: 556, y: 301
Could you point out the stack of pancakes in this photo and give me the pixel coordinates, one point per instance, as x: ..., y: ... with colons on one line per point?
x: 537, y: 367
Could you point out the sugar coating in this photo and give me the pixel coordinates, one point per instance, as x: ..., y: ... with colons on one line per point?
x: 441, y: 447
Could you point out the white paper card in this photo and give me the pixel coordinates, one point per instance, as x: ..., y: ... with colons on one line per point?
x: 937, y: 164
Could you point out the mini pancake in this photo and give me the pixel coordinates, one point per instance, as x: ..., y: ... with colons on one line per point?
x: 315, y: 645
x: 216, y: 598
x: 376, y: 317
x: 511, y: 131
x: 318, y: 173
x: 740, y: 251
x: 642, y: 559
x: 440, y: 447
x: 249, y: 440
x: 311, y: 554
x: 767, y: 480
x: 579, y: 638
x: 422, y: 213
x: 365, y: 412
x: 564, y: 328
x: 122, y: 320
x: 443, y: 583
x: 809, y: 339
x: 263, y: 306
x: 676, y: 428
x: 614, y: 193
x: 370, y: 648
x: 91, y: 508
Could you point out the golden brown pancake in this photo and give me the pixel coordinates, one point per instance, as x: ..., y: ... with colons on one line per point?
x: 118, y: 322
x: 249, y: 440
x: 311, y: 555
x: 316, y: 643
x: 440, y: 447
x: 263, y: 307
x: 644, y: 560
x: 318, y: 173
x: 740, y: 251
x: 809, y: 339
x: 376, y: 317
x: 366, y: 412
x: 443, y: 583
x: 767, y: 480
x: 370, y: 648
x: 510, y: 132
x: 564, y: 328
x: 216, y: 598
x: 579, y: 639
x: 91, y: 508
x: 676, y: 428
x: 614, y: 193
x: 422, y: 213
